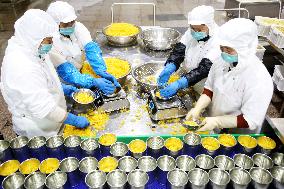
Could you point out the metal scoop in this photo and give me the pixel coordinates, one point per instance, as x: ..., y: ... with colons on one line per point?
x: 192, y: 128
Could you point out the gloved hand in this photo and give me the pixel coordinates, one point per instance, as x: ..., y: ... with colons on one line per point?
x: 109, y: 77
x: 166, y: 74
x: 172, y: 89
x: 210, y: 123
x: 201, y: 104
x: 104, y: 85
x: 77, y: 121
x: 68, y: 89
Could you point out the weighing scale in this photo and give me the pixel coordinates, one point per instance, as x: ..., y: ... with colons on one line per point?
x: 176, y: 107
x: 115, y: 102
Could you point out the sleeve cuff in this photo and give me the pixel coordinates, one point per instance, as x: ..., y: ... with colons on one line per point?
x: 58, y: 115
x: 208, y: 92
x: 241, y: 122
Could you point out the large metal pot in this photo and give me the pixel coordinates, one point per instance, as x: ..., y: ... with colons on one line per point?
x: 140, y: 73
x: 121, y: 41
x: 160, y: 38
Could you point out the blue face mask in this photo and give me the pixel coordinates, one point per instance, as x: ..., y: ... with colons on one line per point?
x: 67, y: 31
x: 198, y: 35
x: 44, y: 49
x: 229, y: 58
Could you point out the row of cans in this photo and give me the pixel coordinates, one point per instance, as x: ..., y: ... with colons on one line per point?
x: 22, y: 148
x: 165, y: 172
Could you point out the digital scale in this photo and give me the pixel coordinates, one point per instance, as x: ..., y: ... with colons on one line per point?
x: 115, y: 102
x: 176, y: 107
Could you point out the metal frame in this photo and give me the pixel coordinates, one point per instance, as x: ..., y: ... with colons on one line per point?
x: 259, y: 2
x: 152, y: 4
x: 235, y: 9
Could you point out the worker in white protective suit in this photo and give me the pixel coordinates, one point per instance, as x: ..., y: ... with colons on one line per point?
x: 239, y: 87
x: 193, y: 53
x: 29, y: 82
x: 73, y: 45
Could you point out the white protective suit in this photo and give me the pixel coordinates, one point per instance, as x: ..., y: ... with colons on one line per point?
x: 196, y: 51
x: 70, y: 48
x: 29, y: 84
x: 247, y: 89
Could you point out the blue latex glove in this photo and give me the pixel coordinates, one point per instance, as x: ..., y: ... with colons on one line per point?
x: 166, y: 74
x: 77, y: 121
x: 173, y: 88
x: 104, y: 85
x: 94, y: 56
x: 68, y: 89
x: 109, y: 77
x: 69, y: 73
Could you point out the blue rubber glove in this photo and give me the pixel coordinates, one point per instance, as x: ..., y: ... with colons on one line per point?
x: 94, y: 56
x: 104, y: 85
x: 166, y: 74
x: 77, y: 121
x: 109, y: 77
x: 173, y: 88
x: 68, y: 89
x: 69, y: 73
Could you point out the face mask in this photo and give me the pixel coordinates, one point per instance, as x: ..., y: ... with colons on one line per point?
x: 67, y: 31
x: 229, y: 58
x: 44, y: 49
x: 198, y: 35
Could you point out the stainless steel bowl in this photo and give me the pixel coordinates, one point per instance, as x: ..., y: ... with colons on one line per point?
x: 83, y: 107
x: 224, y: 162
x: 121, y: 41
x: 160, y: 38
x: 262, y: 161
x: 141, y: 72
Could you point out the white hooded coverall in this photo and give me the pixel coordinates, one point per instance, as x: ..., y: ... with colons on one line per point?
x: 247, y: 88
x: 29, y: 84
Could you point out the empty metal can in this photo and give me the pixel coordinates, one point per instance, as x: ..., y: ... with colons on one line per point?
x: 243, y: 161
x: 70, y: 167
x: 198, y: 178
x: 55, y: 147
x: 137, y: 179
x: 117, y: 179
x: 90, y: 147
x: 20, y: 148
x: 14, y: 181
x: 240, y: 178
x: 177, y: 179
x: 5, y: 151
x: 127, y: 164
x: 96, y: 179
x: 149, y: 165
x: 192, y: 143
x: 87, y: 165
x: 35, y: 180
x: 56, y: 180
x: 277, y: 173
x: 278, y: 159
x: 185, y: 163
x: 37, y: 147
x: 262, y: 161
x: 219, y: 178
x: 224, y: 162
x: 119, y: 150
x: 261, y: 178
x: 204, y: 161
x: 155, y: 146
x: 165, y: 164
x: 72, y: 146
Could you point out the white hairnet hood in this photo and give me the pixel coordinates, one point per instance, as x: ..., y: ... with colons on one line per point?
x: 61, y: 12
x: 33, y: 27
x: 203, y: 15
x: 240, y: 34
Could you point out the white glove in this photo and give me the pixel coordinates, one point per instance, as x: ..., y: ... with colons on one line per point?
x: 56, y: 58
x: 201, y: 104
x: 210, y: 123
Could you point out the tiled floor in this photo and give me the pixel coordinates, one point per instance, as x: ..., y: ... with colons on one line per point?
x: 96, y: 14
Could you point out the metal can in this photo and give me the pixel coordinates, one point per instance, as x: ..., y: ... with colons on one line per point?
x: 224, y: 162
x: 219, y: 178
x: 20, y: 148
x: 261, y: 178
x: 70, y: 167
x: 5, y: 151
x: 127, y: 164
x: 87, y: 165
x: 198, y: 178
x: 117, y: 179
x: 243, y: 161
x: 177, y: 179
x: 96, y: 179
x: 35, y: 181
x: 137, y: 179
x: 90, y: 147
x: 72, y: 146
x: 14, y: 181
x: 185, y: 163
x: 204, y: 161
x: 119, y: 150
x: 37, y: 147
x: 56, y: 180
x: 240, y: 178
x: 55, y: 147
x: 149, y: 165
x: 155, y: 146
x: 165, y: 164
x: 192, y: 143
